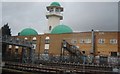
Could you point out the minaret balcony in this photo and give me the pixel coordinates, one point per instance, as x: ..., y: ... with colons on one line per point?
x: 54, y: 14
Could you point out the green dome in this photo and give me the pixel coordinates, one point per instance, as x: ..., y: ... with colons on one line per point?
x: 54, y: 4
x: 61, y: 29
x: 28, y: 31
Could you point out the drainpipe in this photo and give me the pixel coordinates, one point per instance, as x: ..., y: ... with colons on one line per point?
x: 93, y: 44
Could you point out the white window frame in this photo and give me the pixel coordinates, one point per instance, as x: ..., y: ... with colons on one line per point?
x: 47, y: 46
x: 113, y: 41
x: 34, y: 46
x: 82, y: 41
x: 74, y: 41
x: 101, y: 41
x: 88, y: 41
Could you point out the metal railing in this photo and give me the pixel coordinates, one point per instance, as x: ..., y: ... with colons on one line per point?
x: 22, y: 43
x: 15, y: 41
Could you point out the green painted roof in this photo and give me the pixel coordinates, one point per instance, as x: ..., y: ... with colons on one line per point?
x: 61, y: 29
x: 54, y: 4
x: 28, y: 31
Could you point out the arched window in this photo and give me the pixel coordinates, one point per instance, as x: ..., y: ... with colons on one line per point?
x: 34, y: 38
x: 47, y: 37
x: 26, y: 38
x: 10, y: 46
x: 50, y: 27
x: 47, y: 40
x: 16, y: 47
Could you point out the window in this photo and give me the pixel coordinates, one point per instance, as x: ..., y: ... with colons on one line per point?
x: 50, y: 27
x: 47, y: 40
x: 16, y: 50
x: 82, y: 41
x: 101, y: 33
x: 47, y: 46
x: 34, y: 46
x: 10, y: 46
x: 16, y: 47
x: 26, y: 38
x: 101, y: 41
x: 45, y: 51
x: 17, y: 40
x: 51, y: 10
x: 73, y: 41
x: 9, y: 50
x: 57, y: 10
x: 87, y: 40
x: 34, y: 38
x: 113, y: 41
x: 64, y: 44
x: 114, y: 54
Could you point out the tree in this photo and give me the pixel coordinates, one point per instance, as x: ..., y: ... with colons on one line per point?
x: 6, y: 31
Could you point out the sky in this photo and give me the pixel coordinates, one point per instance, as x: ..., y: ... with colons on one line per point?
x: 80, y: 16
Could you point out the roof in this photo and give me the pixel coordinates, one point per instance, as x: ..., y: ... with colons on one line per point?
x: 61, y: 29
x: 55, y: 4
x: 28, y: 31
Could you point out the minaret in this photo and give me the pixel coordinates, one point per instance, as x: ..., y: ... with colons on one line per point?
x: 54, y: 15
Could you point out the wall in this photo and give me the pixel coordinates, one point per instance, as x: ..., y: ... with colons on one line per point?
x: 56, y: 39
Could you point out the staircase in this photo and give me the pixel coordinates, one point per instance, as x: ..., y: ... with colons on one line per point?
x: 73, y: 50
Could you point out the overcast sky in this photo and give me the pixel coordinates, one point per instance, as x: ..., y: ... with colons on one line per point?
x: 80, y: 16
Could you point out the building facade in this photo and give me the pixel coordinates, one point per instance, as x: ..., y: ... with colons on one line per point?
x: 50, y: 43
x: 106, y: 43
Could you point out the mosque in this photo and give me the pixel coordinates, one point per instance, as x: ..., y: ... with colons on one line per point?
x: 106, y: 43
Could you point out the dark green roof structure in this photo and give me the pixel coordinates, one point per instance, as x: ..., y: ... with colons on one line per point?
x: 27, y: 32
x: 54, y: 4
x: 60, y: 29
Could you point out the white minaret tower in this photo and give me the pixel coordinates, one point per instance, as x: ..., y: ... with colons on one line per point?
x: 54, y: 15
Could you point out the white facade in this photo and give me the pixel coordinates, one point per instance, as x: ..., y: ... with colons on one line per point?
x: 53, y: 21
x: 54, y: 15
